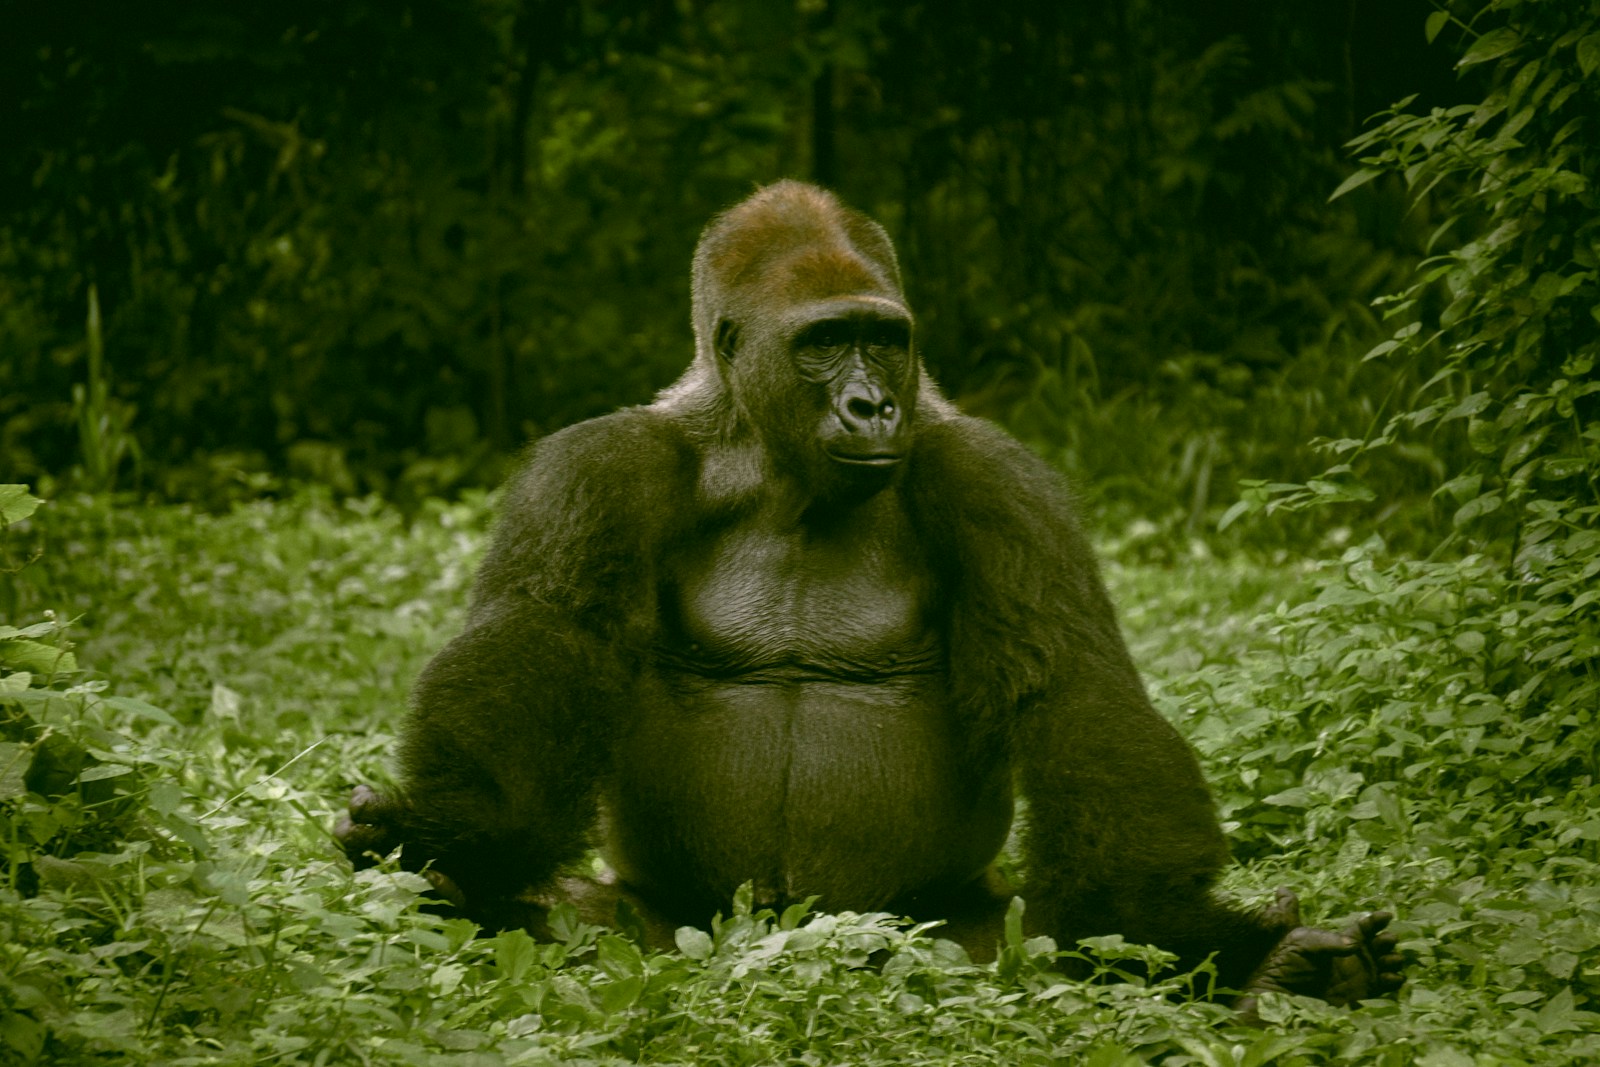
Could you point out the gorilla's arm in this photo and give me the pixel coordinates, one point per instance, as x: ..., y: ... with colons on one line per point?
x: 510, y: 726
x: 1122, y: 836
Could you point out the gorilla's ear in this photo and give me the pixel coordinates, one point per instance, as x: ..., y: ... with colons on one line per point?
x: 726, y: 340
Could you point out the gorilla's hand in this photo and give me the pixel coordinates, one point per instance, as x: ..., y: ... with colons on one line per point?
x: 372, y: 829
x: 1354, y: 964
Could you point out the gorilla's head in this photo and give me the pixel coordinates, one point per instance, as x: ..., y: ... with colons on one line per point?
x: 799, y: 318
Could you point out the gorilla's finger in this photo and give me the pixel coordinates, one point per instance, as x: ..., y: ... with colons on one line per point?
x: 1325, y: 942
x: 364, y: 798
x: 1368, y: 926
x: 1284, y: 911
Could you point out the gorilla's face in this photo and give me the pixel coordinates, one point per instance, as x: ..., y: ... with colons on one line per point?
x: 831, y: 386
x: 856, y: 357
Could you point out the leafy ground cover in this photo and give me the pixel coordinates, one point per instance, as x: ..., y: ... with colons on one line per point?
x: 186, y: 699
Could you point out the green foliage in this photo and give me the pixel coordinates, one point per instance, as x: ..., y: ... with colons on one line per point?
x: 103, y: 437
x: 1506, y: 324
x: 1418, y: 736
x: 170, y: 891
x: 1437, y: 721
x: 1428, y: 732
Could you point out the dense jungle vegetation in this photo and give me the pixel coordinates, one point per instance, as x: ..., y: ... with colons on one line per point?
x: 1304, y: 298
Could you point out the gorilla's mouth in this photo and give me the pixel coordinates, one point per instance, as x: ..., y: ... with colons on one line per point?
x: 866, y: 459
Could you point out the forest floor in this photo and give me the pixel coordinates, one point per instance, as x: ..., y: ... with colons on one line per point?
x: 171, y: 892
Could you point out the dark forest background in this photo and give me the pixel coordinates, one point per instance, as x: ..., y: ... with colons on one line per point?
x: 380, y: 244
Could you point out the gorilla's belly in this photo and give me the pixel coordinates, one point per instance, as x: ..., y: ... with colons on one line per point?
x: 856, y: 793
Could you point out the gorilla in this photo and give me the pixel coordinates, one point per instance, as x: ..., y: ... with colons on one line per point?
x: 801, y: 623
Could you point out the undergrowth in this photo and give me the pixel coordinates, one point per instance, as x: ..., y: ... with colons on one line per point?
x: 195, y: 694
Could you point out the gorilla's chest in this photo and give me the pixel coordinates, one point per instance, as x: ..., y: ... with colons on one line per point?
x: 795, y: 732
x: 759, y: 602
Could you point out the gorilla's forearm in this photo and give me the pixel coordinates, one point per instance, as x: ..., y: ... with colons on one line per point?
x: 502, y: 757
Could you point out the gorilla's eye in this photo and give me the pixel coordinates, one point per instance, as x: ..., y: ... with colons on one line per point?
x: 830, y: 333
x: 887, y: 333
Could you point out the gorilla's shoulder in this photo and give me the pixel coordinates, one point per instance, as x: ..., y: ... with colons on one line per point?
x: 634, y: 452
x: 628, y: 438
x: 976, y: 463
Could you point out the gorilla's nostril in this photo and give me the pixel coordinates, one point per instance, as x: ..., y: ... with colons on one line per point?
x: 861, y: 408
x: 887, y: 410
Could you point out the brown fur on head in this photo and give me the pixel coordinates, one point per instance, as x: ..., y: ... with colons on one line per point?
x: 789, y: 244
x: 787, y: 257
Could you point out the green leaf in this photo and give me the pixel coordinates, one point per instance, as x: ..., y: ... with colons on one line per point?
x: 1567, y: 183
x: 36, y: 657
x: 164, y: 797
x: 102, y: 771
x: 1491, y: 45
x: 1523, y: 447
x: 1478, y: 507
x: 1239, y: 508
x: 693, y: 942
x: 1442, y: 1055
x: 1519, y: 84
x: 1389, y: 808
x: 1483, y: 435
x: 16, y: 504
x: 1355, y: 181
x: 1013, y: 923
x: 138, y: 709
x: 621, y: 995
x: 514, y: 953
x: 619, y: 957
x: 744, y: 899
x: 1461, y: 488
x: 1558, y: 467
x: 1560, y: 1013
x: 1469, y: 405
x: 431, y: 940
x: 1331, y: 492
x: 1435, y: 23
x: 22, y: 1033
x: 794, y: 914
x: 14, y: 762
x: 1589, y: 54
x: 38, y: 629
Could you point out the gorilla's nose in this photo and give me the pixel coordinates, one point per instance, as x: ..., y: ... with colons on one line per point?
x: 869, y: 411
